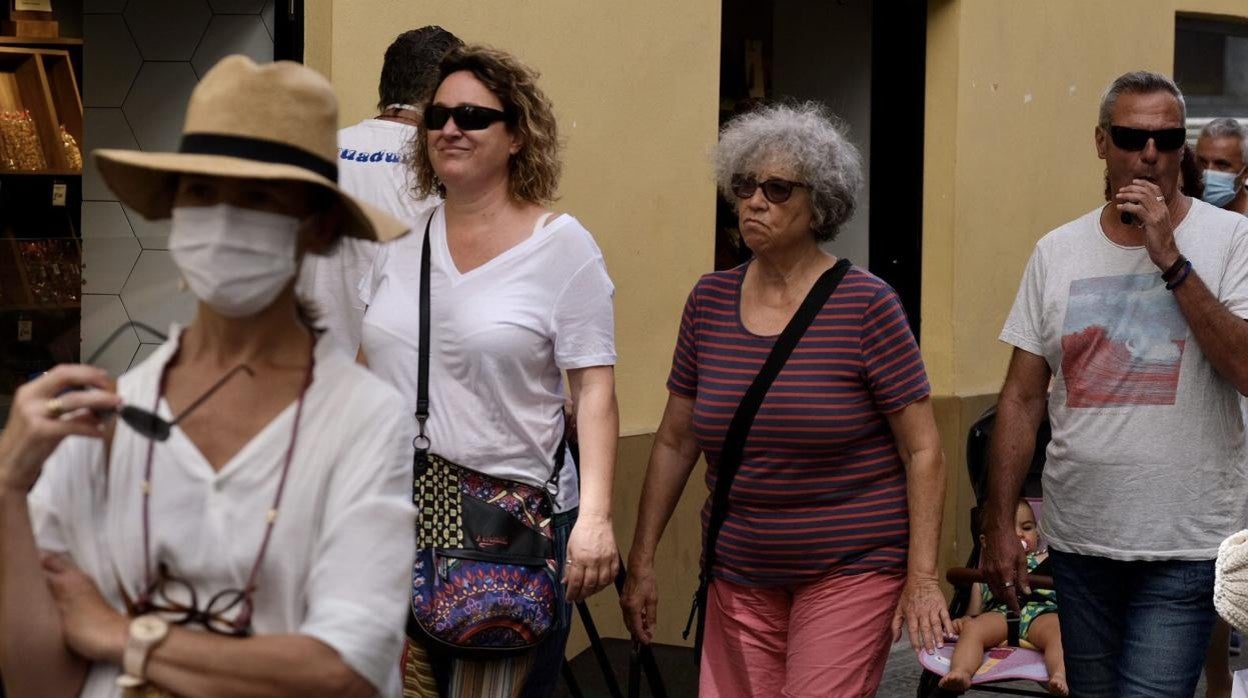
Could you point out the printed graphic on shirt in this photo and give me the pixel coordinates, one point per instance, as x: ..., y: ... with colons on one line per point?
x: 367, y: 156
x: 1122, y: 342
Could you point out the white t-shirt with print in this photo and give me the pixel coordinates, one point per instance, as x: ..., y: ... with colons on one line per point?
x: 338, y: 566
x: 372, y: 167
x: 500, y: 335
x: 1147, y: 460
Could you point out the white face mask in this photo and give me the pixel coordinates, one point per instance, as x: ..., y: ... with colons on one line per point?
x: 234, y: 259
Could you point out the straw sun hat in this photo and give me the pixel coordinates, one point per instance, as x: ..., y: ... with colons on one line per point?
x: 274, y: 121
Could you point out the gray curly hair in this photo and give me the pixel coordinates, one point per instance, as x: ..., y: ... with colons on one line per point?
x: 1226, y: 127
x: 804, y: 138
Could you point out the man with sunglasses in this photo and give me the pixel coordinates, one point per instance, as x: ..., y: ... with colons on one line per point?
x: 1136, y: 311
x: 372, y: 164
x: 1222, y: 152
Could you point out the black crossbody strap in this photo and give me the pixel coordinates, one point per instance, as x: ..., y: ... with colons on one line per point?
x: 743, y: 419
x: 421, y: 443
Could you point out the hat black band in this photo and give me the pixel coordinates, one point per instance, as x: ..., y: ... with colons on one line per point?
x: 259, y: 150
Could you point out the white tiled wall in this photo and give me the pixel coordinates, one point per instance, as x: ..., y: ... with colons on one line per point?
x: 141, y: 60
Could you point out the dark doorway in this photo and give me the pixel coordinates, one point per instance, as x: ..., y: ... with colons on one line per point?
x: 866, y: 61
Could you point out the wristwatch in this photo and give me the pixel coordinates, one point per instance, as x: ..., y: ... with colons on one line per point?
x: 146, y: 634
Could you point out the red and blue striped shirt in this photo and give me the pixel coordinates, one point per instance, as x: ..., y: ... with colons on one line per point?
x: 821, y: 487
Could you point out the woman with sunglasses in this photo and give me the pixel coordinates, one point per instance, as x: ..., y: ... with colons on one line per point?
x: 517, y: 296
x: 259, y: 546
x: 833, y: 518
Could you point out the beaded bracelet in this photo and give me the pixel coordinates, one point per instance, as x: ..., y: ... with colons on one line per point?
x: 1173, y: 284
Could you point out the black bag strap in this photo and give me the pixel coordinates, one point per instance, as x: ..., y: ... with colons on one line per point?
x: 421, y: 441
x: 739, y: 429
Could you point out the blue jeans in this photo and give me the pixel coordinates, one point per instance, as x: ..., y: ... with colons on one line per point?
x: 1133, y: 628
x: 544, y: 675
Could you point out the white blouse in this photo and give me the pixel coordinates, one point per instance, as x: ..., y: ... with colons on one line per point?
x: 338, y: 567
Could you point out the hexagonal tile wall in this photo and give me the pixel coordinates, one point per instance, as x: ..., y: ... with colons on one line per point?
x: 109, y: 249
x: 167, y: 31
x: 266, y: 14
x: 156, y: 107
x: 152, y: 235
x: 230, y: 34
x: 110, y: 61
x: 95, y: 7
x: 101, y: 317
x: 236, y: 7
x: 151, y: 294
x: 143, y: 60
x: 103, y: 128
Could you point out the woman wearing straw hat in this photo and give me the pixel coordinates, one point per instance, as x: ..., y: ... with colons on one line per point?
x: 517, y: 295
x: 263, y: 547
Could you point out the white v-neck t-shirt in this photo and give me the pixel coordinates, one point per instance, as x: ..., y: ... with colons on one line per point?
x: 499, y: 335
x: 338, y: 566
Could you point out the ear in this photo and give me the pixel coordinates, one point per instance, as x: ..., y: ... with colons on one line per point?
x: 1102, y: 142
x: 517, y: 143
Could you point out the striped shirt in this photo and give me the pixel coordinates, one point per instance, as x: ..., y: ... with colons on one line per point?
x: 821, y: 487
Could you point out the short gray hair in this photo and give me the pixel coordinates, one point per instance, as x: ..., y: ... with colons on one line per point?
x: 1226, y: 127
x: 806, y: 138
x: 1139, y: 82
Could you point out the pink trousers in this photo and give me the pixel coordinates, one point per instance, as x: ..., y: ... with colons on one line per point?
x: 825, y: 638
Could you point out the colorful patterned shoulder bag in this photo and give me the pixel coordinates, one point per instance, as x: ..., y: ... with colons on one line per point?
x: 483, y: 585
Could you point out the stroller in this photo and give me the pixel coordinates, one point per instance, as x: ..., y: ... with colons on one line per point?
x: 1010, y: 663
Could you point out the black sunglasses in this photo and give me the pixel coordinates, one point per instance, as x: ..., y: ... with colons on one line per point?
x: 1133, y: 139
x: 775, y: 190
x: 467, y: 117
x: 150, y: 424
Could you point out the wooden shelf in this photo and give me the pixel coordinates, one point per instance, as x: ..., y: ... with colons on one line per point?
x: 42, y: 82
x: 29, y: 41
x: 41, y: 173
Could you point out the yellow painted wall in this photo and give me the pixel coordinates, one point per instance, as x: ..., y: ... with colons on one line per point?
x: 635, y: 87
x: 1013, y: 88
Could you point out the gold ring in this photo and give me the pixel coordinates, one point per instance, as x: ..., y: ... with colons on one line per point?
x: 1160, y: 198
x: 55, y: 408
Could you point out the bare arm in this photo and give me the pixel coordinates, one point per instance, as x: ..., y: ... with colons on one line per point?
x: 918, y: 443
x: 593, y: 558
x: 1222, y: 336
x: 1020, y: 409
x: 194, y: 663
x: 672, y: 458
x: 922, y: 605
x: 34, y: 656
x: 976, y: 604
x: 191, y: 663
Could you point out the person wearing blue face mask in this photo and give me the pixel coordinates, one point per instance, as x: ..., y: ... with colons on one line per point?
x: 1222, y: 151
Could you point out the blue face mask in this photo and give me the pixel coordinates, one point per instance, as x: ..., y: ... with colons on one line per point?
x: 1219, y: 187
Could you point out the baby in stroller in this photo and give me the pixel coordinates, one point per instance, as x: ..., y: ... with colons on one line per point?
x: 985, y: 626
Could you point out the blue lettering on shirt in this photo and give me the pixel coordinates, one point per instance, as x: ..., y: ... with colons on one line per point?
x: 364, y: 156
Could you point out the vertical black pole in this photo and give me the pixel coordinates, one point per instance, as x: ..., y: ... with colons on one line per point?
x: 898, y: 81
x: 288, y: 30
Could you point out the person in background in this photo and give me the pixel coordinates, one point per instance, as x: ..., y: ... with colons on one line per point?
x: 1222, y: 152
x: 372, y: 166
x: 1222, y: 156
